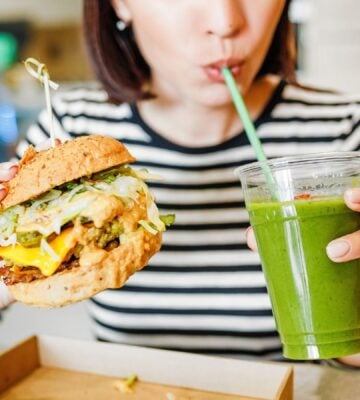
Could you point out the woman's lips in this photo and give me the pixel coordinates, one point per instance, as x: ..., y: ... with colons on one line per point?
x: 213, y: 72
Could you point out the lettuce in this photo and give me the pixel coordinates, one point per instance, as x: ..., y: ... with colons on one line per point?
x: 49, y: 212
x: 168, y: 219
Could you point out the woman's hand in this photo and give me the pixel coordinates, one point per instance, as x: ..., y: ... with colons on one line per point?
x: 342, y: 249
x: 7, y: 171
x: 347, y: 247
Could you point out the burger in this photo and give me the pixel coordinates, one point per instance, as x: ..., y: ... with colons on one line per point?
x: 77, y: 220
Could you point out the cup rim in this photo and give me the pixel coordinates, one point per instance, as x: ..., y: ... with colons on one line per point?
x: 303, y: 158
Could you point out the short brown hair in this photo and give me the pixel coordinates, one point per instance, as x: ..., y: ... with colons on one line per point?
x: 122, y: 70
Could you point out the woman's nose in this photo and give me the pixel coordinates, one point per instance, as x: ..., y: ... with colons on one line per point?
x: 224, y: 18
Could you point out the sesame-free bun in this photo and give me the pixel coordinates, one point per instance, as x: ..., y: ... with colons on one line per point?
x: 41, y: 171
x: 97, y: 269
x: 108, y: 269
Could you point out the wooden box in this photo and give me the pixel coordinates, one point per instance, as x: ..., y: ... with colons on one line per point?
x: 45, y: 367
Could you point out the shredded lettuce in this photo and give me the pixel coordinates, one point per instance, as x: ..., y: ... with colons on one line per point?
x: 49, y: 212
x: 145, y: 175
x: 168, y: 219
x: 8, y: 223
x: 45, y: 198
x: 46, y: 248
x: 11, y: 240
x: 122, y: 186
x: 108, y: 176
x: 146, y: 225
x: 152, y: 210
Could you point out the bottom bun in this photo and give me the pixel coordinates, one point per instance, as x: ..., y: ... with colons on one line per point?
x: 99, y: 270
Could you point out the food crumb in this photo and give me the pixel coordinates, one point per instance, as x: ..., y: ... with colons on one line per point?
x: 170, y: 396
x: 126, y: 385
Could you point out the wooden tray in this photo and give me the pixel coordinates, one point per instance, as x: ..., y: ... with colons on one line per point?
x: 55, y: 368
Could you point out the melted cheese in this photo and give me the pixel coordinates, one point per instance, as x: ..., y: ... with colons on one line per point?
x: 34, y: 257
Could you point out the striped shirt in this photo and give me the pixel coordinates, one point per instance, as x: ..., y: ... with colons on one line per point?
x: 205, y: 291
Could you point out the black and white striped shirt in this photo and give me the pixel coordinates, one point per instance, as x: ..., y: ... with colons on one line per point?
x: 205, y: 291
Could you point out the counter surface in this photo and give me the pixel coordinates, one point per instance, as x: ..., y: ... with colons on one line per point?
x: 326, y: 383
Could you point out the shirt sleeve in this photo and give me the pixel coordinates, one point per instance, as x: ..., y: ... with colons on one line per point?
x: 5, y: 296
x: 352, y: 139
x: 356, y: 130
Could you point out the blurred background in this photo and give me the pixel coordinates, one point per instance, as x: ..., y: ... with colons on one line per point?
x: 49, y: 31
x: 328, y: 45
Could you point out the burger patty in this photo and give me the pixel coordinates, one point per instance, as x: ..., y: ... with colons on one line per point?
x: 106, y: 238
x: 29, y: 274
x: 13, y: 275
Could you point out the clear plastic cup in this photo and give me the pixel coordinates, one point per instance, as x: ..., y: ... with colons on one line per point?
x: 295, y: 214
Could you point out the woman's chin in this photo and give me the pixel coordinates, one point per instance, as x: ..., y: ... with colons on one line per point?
x: 214, y: 97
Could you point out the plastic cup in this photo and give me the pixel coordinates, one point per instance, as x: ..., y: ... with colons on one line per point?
x: 316, y: 302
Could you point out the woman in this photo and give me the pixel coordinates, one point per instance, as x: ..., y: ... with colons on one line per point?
x: 162, y: 62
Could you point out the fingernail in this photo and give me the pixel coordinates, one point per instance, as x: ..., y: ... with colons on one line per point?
x: 337, y: 249
x: 249, y: 233
x: 353, y: 195
x: 7, y: 165
x: 46, y: 144
x: 6, y: 175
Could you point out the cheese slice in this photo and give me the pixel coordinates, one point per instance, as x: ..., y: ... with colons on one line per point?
x: 35, y: 257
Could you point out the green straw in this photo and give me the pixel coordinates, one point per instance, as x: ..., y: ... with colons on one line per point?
x: 248, y: 125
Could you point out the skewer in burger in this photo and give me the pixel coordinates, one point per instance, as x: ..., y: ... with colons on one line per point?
x: 77, y: 220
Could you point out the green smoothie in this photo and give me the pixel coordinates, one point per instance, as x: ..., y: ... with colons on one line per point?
x: 316, y: 302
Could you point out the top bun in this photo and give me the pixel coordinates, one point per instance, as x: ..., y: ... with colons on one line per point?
x: 41, y: 171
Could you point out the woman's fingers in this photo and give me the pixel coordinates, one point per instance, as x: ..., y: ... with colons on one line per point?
x: 353, y: 360
x: 346, y: 248
x: 7, y: 171
x: 352, y: 199
x: 46, y: 144
x: 250, y: 238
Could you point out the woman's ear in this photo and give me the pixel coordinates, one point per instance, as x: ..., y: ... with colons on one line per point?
x: 122, y: 10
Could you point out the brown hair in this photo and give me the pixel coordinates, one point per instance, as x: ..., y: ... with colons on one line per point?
x: 122, y: 70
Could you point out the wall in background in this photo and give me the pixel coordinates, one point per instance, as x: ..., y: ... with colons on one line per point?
x: 42, y: 12
x: 51, y: 32
x: 20, y: 322
x: 332, y: 45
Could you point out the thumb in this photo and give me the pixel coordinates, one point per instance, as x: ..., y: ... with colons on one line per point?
x: 250, y: 238
x: 6, y: 297
x: 346, y: 248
